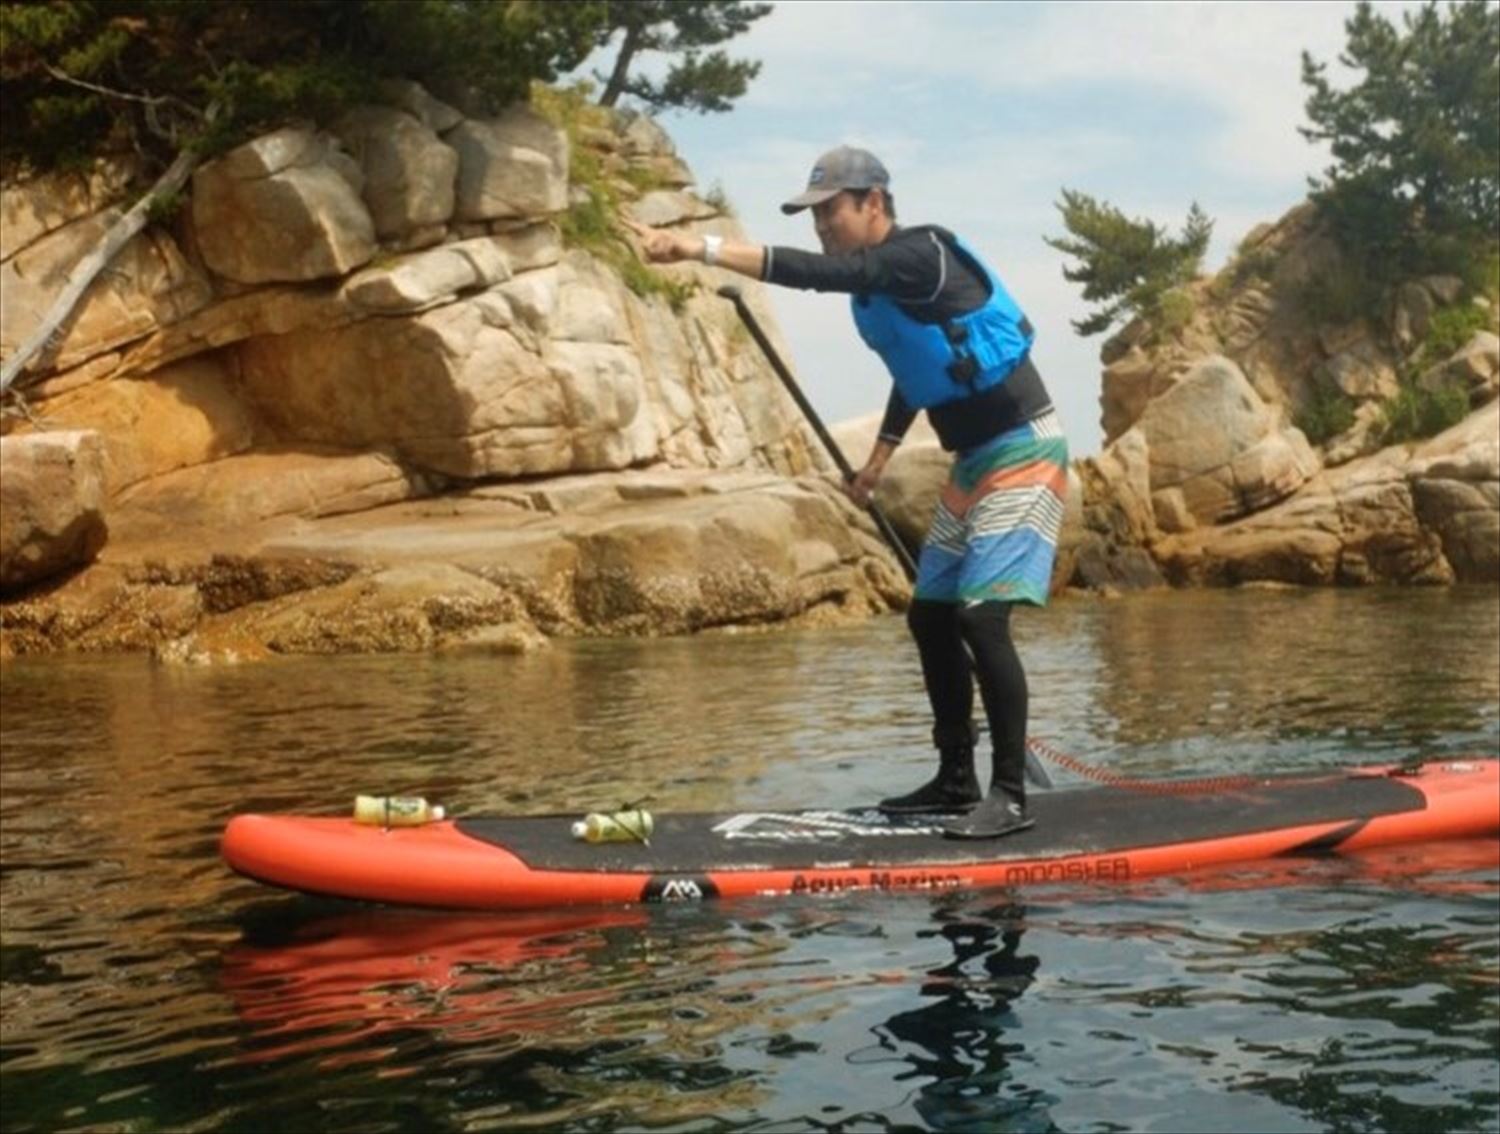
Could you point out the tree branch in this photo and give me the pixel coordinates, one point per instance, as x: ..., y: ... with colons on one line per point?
x: 151, y: 102
x: 88, y: 269
x: 64, y: 77
x: 617, y: 85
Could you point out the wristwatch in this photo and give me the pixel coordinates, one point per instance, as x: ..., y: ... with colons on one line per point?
x: 711, y: 246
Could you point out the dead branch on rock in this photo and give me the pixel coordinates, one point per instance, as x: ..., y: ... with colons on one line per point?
x: 48, y: 333
x: 87, y: 269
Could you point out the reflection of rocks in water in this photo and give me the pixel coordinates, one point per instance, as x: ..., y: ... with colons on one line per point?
x: 956, y: 1042
x: 1286, y: 663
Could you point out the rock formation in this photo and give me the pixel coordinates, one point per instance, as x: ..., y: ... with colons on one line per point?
x: 361, y: 392
x: 1207, y: 476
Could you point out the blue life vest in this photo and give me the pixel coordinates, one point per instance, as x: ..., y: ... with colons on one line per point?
x: 933, y: 363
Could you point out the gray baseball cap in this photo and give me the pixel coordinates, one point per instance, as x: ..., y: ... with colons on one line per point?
x: 837, y: 170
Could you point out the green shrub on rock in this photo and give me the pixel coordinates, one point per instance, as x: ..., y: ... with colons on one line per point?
x: 1174, y: 311
x: 1450, y: 330
x: 1415, y: 412
x: 591, y: 223
x: 1325, y: 414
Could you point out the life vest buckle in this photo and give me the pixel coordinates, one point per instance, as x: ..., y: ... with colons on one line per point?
x: 964, y: 370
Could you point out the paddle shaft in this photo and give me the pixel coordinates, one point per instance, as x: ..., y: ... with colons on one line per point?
x: 733, y: 293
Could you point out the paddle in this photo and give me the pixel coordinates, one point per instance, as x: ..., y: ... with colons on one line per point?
x: 731, y: 292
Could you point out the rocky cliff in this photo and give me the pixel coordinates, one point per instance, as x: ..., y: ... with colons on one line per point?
x: 1259, y: 431
x: 396, y: 385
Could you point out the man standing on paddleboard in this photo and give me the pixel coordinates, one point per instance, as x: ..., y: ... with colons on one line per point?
x: 957, y: 346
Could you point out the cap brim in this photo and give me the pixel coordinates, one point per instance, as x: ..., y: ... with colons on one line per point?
x: 811, y: 197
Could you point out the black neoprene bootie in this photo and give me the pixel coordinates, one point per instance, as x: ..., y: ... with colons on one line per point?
x: 997, y: 815
x: 955, y: 788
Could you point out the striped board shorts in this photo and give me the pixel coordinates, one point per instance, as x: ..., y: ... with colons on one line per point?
x: 994, y: 534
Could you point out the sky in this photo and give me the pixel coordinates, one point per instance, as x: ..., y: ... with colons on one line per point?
x: 983, y: 112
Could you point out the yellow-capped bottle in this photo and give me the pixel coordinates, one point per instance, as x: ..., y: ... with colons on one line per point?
x: 395, y: 810
x: 630, y: 826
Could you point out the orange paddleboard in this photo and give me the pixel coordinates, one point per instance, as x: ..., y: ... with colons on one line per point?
x: 1092, y: 836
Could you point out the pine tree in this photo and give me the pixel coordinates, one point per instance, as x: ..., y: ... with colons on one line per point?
x: 704, y: 83
x: 1415, y: 184
x: 83, y: 79
x: 1126, y: 265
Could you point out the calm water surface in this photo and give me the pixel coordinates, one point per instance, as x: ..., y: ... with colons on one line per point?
x: 145, y: 988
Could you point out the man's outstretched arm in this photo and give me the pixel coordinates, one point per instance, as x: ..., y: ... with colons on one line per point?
x: 663, y: 246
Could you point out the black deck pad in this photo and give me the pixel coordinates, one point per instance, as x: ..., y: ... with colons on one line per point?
x: 1068, y: 822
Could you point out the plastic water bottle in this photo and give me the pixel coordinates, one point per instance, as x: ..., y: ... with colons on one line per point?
x: 395, y: 810
x: 631, y: 826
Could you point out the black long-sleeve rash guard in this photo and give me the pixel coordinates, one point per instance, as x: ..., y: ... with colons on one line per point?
x: 916, y: 267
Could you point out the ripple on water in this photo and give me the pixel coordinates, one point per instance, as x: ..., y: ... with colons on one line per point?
x: 144, y: 986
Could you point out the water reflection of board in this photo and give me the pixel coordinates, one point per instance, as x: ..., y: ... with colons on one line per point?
x: 1093, y: 836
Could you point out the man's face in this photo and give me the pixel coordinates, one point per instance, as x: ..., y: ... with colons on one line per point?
x: 844, y: 225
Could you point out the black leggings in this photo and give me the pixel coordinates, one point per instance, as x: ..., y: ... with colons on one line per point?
x: 942, y: 631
